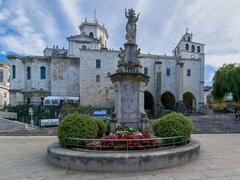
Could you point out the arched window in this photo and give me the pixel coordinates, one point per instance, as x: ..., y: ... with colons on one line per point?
x: 188, y: 72
x: 43, y: 72
x: 189, y: 38
x: 84, y: 47
x: 13, y: 71
x: 168, y: 72
x: 91, y: 34
x: 187, y: 47
x: 193, y: 48
x: 28, y: 73
x: 198, y: 49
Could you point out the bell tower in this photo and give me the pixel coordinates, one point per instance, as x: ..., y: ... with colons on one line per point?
x: 187, y: 48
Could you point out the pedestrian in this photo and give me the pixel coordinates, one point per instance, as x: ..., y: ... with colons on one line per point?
x: 236, y: 113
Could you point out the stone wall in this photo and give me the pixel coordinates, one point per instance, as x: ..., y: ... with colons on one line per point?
x: 92, y: 92
x: 65, y: 76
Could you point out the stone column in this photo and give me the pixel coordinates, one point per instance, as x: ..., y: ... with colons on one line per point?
x: 180, y: 105
x: 158, y: 81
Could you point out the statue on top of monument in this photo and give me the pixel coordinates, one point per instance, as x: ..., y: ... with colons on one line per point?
x: 131, y: 26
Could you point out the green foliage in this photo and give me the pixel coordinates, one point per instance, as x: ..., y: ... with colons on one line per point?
x: 173, y: 124
x: 102, y: 128
x: 227, y: 79
x: 76, y: 126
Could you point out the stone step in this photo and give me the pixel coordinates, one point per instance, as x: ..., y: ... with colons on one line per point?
x: 216, y: 123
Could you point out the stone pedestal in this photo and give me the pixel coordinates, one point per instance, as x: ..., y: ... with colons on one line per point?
x: 129, y: 101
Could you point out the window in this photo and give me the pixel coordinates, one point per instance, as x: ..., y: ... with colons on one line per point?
x: 193, y: 48
x: 5, y: 95
x: 28, y: 73
x: 98, y: 63
x: 28, y: 100
x: 5, y: 104
x: 188, y: 72
x: 146, y: 71
x: 13, y: 71
x: 108, y: 74
x: 198, y: 49
x: 97, y: 78
x: 84, y: 47
x: 187, y: 47
x: 168, y: 72
x: 91, y: 34
x: 189, y: 38
x: 43, y: 72
x: 1, y: 75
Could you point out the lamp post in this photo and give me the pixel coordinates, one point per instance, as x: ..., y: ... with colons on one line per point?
x: 31, y: 114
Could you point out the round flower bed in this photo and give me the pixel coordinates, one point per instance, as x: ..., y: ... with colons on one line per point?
x: 127, y: 139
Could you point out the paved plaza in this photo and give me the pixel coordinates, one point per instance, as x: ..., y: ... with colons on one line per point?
x: 25, y: 158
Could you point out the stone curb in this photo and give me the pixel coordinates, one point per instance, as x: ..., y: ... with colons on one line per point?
x: 122, y: 161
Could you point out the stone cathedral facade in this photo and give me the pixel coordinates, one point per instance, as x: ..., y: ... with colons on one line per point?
x: 84, y: 69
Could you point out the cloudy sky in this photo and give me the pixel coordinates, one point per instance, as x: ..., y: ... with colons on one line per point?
x: 28, y: 26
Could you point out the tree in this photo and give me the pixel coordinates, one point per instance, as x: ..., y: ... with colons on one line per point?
x: 227, y: 79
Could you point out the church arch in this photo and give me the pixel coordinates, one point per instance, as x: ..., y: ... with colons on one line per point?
x: 193, y: 48
x: 189, y: 100
x: 168, y: 100
x: 186, y: 47
x: 149, y: 103
x: 91, y: 34
x: 198, y: 49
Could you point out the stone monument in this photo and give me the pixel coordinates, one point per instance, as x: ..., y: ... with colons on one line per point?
x: 129, y: 82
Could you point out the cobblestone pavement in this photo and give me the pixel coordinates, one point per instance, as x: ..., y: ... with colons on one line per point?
x: 25, y: 158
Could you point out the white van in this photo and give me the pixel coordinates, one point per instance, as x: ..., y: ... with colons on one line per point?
x: 58, y: 100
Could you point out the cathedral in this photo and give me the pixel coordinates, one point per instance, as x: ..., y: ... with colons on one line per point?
x: 83, y: 70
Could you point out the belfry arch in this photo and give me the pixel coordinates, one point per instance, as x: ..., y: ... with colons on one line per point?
x: 189, y: 100
x: 168, y: 100
x: 149, y: 103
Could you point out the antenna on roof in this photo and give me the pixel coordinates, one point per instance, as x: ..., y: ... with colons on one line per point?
x: 95, y: 18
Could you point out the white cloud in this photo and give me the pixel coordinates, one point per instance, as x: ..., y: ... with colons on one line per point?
x: 217, y: 60
x: 72, y: 8
x: 210, y: 77
x: 42, y: 19
x: 33, y: 28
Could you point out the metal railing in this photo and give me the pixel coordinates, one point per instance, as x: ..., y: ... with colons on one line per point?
x: 125, y: 144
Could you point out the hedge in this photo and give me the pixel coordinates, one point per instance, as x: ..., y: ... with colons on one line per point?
x: 173, y: 124
x: 76, y: 126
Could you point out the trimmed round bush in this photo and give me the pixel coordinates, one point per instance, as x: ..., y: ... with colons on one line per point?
x: 102, y: 128
x: 173, y: 124
x: 76, y: 125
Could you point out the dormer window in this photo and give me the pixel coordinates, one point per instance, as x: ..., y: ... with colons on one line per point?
x: 193, y: 48
x: 91, y: 34
x: 187, y: 47
x: 84, y: 47
x: 189, y: 39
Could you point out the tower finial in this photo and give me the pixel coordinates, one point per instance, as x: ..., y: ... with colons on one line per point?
x: 186, y: 30
x: 95, y: 18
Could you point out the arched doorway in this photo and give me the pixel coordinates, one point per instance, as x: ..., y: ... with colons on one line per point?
x: 149, y: 103
x: 168, y: 100
x: 189, y: 100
